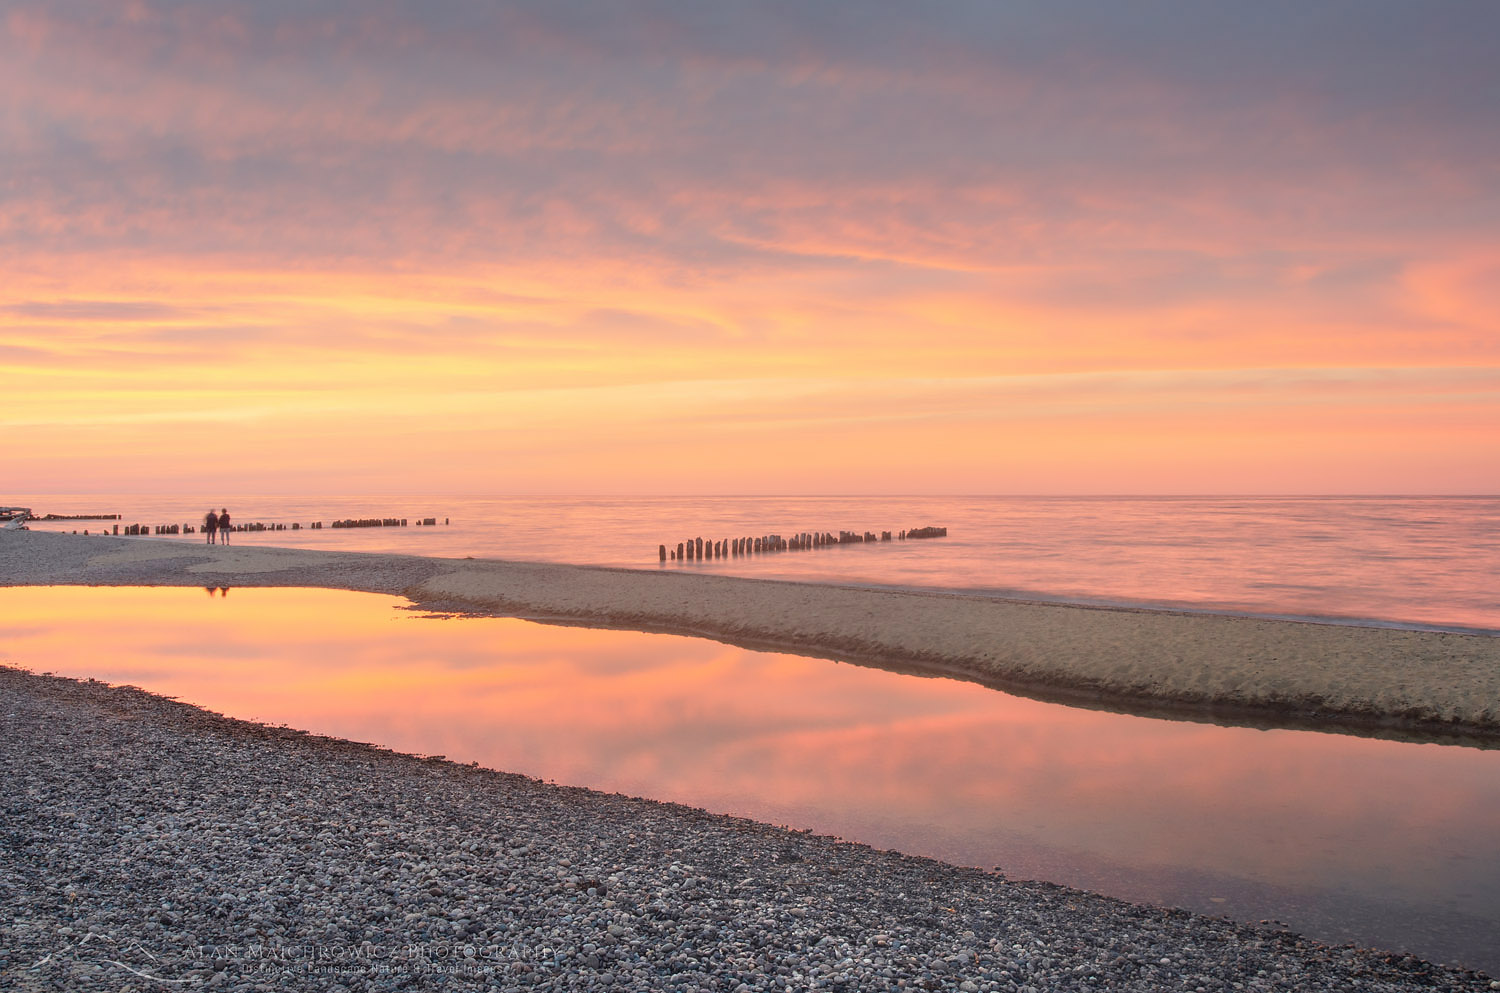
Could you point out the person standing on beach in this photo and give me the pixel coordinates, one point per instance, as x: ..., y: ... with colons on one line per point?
x: 210, y: 526
x: 224, y: 524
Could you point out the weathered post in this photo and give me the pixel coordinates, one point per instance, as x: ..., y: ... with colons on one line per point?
x: 661, y: 552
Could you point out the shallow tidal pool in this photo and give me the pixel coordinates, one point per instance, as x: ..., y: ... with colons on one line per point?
x: 1347, y: 839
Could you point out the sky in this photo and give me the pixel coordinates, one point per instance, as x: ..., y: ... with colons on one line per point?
x: 675, y: 246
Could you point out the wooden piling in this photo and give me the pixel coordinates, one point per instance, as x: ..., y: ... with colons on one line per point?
x: 697, y: 549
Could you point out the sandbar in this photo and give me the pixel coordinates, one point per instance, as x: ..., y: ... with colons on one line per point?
x: 1234, y: 669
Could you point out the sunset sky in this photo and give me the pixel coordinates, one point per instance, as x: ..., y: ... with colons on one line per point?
x: 696, y: 247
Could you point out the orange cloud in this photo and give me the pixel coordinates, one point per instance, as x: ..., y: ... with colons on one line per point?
x: 587, y: 245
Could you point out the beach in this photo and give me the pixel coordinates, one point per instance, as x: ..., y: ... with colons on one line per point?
x: 1260, y: 671
x: 154, y: 842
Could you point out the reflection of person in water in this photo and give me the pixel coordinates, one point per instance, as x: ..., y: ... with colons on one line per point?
x: 224, y: 524
x: 210, y: 526
x: 223, y: 591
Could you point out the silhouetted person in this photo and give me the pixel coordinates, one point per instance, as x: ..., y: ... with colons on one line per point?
x: 211, y: 526
x: 224, y: 523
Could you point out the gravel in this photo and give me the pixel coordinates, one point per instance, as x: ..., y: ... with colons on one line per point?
x: 149, y: 844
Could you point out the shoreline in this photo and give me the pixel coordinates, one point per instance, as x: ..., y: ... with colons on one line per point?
x: 1390, y: 682
x: 156, y: 840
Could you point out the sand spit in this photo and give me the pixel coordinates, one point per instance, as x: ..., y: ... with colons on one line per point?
x: 151, y: 844
x: 1234, y: 669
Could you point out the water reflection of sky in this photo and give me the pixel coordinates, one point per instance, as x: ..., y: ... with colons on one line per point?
x: 1252, y: 823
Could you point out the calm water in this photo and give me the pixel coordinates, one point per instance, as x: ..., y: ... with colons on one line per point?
x: 1425, y: 561
x: 1347, y: 839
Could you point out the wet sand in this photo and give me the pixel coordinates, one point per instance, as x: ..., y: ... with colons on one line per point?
x: 1233, y: 669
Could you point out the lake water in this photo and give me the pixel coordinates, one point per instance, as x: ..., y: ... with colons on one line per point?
x: 1417, y: 561
x: 1379, y: 843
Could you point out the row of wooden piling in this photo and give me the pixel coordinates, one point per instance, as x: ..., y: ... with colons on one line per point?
x: 132, y: 530
x: 697, y: 549
x: 147, y: 529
